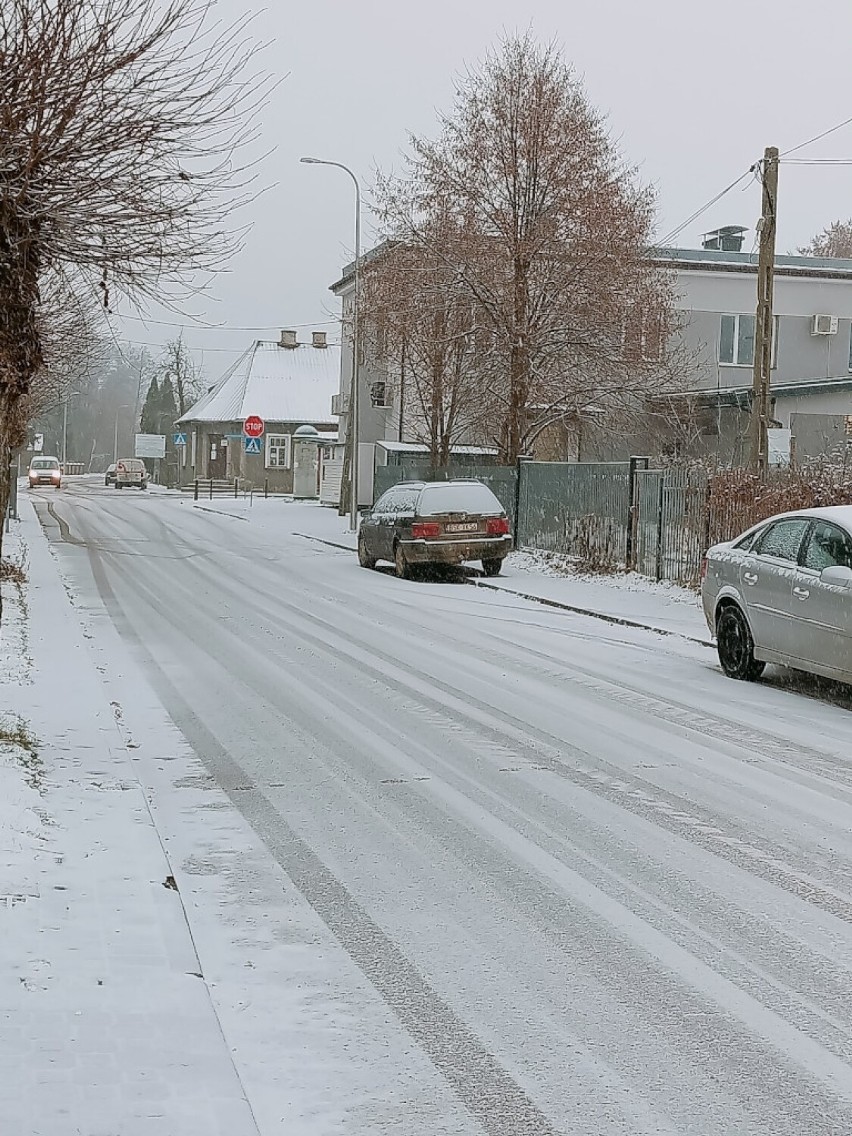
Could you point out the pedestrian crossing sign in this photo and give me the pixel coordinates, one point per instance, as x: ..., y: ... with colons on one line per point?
x: 253, y: 445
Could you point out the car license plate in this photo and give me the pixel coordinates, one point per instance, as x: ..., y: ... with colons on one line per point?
x: 469, y: 526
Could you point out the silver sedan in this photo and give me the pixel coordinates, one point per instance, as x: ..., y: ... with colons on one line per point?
x: 782, y: 593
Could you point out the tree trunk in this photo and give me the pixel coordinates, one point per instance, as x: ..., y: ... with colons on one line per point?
x: 519, y: 367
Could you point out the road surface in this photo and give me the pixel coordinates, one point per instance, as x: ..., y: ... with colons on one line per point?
x: 590, y: 885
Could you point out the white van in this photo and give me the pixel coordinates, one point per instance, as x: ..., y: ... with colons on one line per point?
x: 131, y: 472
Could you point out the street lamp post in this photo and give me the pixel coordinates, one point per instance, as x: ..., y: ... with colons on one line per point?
x: 118, y: 411
x: 356, y: 344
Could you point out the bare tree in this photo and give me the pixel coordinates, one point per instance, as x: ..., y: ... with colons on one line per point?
x: 119, y: 120
x: 835, y: 241
x: 420, y: 323
x: 177, y: 363
x: 552, y: 239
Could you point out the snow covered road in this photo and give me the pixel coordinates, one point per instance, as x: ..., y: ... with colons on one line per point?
x: 566, y: 878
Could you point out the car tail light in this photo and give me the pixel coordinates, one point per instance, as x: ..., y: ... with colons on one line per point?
x: 703, y: 570
x: 498, y: 526
x: 425, y: 531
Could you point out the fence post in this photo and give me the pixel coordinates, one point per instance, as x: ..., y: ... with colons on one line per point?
x: 266, y: 488
x: 236, y: 487
x: 658, y: 567
x: 516, y: 536
x: 633, y: 510
x: 195, y: 491
x: 211, y: 490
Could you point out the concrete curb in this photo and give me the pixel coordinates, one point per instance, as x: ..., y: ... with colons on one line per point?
x: 329, y: 543
x: 619, y: 620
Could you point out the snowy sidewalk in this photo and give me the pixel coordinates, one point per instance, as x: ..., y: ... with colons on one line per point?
x: 107, y: 1027
x: 622, y: 598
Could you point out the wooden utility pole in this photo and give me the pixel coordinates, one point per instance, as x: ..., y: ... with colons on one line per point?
x: 763, y: 324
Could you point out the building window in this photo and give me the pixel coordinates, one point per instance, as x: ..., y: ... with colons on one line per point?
x: 850, y: 348
x: 736, y: 340
x: 278, y: 451
x: 379, y: 394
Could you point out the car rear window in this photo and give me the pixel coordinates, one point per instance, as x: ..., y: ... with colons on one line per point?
x: 470, y: 498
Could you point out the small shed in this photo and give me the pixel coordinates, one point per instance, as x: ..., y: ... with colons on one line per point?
x: 287, y: 385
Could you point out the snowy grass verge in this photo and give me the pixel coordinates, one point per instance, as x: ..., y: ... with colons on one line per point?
x: 558, y: 566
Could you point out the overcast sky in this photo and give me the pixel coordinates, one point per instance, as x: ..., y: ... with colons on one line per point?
x: 693, y: 92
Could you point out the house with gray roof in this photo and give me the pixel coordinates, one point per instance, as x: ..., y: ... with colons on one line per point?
x: 287, y: 385
x: 811, y: 375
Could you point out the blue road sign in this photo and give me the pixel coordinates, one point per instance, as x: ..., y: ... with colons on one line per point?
x: 180, y: 439
x: 253, y: 446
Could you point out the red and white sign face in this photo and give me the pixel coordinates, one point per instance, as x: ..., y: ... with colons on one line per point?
x: 253, y: 427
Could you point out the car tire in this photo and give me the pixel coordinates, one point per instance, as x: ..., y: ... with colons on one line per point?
x: 364, y: 558
x: 492, y: 567
x: 735, y: 645
x: 400, y: 564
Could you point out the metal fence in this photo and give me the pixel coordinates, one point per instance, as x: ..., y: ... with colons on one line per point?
x: 578, y: 509
x: 612, y: 515
x: 672, y: 521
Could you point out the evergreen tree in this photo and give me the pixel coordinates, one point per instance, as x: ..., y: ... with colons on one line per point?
x: 167, y: 406
x: 150, y: 423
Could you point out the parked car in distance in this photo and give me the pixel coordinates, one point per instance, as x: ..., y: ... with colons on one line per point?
x: 131, y: 472
x: 109, y: 476
x: 45, y: 471
x: 782, y: 593
x: 435, y: 522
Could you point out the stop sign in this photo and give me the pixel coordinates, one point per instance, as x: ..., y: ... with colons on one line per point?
x: 253, y: 426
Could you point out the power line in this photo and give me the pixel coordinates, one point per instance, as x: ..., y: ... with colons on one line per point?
x: 203, y: 350
x: 817, y: 162
x: 718, y: 197
x: 222, y: 327
x: 816, y: 137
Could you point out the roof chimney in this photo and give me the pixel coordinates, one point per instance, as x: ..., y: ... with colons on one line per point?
x: 288, y: 339
x: 727, y: 239
x: 320, y: 339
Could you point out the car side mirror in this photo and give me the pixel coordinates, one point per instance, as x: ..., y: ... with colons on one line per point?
x: 837, y: 574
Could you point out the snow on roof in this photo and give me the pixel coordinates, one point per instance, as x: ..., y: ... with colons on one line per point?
x: 278, y: 384
x: 419, y: 448
x: 831, y: 267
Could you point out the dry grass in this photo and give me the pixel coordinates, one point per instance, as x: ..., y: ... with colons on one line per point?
x: 739, y: 498
x: 12, y: 572
x: 16, y: 734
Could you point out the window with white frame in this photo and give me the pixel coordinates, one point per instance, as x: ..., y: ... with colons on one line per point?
x: 278, y: 451
x: 736, y: 340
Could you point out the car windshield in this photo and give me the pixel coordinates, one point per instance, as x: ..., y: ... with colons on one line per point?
x: 471, y: 497
x: 45, y: 463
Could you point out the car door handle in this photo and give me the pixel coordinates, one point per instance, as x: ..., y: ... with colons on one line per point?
x: 801, y: 593
x: 750, y: 577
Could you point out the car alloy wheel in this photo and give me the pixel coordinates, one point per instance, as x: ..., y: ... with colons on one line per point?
x: 736, y: 646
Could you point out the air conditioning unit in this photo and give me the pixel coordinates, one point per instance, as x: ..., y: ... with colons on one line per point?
x: 340, y: 403
x: 824, y: 325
